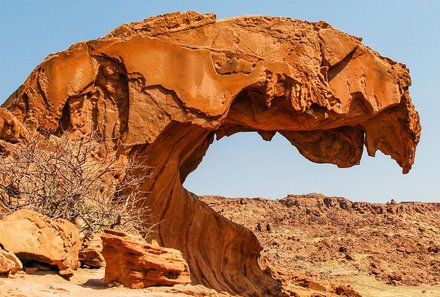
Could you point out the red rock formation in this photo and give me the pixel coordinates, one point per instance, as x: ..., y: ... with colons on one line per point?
x: 137, y: 264
x: 34, y: 237
x: 162, y: 88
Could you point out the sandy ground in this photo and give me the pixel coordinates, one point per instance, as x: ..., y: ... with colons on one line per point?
x: 89, y: 283
x: 368, y: 286
x: 86, y: 283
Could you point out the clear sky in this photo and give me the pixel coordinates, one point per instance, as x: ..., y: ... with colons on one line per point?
x: 244, y: 165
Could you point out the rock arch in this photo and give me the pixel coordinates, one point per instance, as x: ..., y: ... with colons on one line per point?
x: 166, y: 86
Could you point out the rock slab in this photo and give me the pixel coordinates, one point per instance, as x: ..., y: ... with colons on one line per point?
x: 137, y: 264
x: 34, y: 237
x: 9, y: 263
x: 90, y: 252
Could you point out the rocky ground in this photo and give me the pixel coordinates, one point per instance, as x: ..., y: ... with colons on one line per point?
x: 390, y: 249
x: 318, y: 246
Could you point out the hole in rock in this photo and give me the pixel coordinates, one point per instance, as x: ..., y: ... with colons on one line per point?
x: 244, y: 165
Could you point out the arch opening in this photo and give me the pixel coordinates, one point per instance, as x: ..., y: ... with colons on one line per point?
x: 180, y: 148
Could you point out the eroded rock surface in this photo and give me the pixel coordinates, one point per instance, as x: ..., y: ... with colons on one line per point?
x: 90, y: 253
x: 34, y: 237
x: 9, y: 263
x: 137, y: 264
x: 163, y: 88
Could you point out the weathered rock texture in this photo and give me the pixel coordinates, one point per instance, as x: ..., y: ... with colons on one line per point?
x: 137, y: 264
x: 9, y: 263
x: 90, y: 253
x: 163, y: 88
x: 34, y: 237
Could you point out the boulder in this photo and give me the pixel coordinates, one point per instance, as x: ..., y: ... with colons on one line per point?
x: 34, y: 237
x: 90, y: 252
x: 9, y: 263
x: 133, y: 262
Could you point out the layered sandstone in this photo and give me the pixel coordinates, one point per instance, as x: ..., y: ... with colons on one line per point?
x: 137, y: 264
x: 163, y: 88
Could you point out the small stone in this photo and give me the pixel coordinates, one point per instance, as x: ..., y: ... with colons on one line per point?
x: 268, y: 228
x: 349, y: 257
x: 31, y: 270
x: 42, y: 267
x: 66, y: 273
x: 258, y: 227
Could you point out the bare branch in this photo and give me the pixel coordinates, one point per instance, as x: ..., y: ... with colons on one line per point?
x: 80, y: 181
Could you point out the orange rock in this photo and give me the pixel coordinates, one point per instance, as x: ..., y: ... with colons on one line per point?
x: 137, y: 264
x: 163, y: 88
x: 90, y: 252
x: 9, y: 263
x: 34, y: 237
x: 12, y: 129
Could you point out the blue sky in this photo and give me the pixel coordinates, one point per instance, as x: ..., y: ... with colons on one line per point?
x: 244, y: 165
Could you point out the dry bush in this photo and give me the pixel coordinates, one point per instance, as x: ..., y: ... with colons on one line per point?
x: 80, y: 181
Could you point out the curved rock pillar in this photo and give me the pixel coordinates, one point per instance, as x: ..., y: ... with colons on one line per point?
x: 220, y: 253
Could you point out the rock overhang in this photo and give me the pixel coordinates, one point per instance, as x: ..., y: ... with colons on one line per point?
x: 306, y: 77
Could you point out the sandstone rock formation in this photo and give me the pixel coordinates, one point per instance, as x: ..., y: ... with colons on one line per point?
x: 137, y: 264
x: 163, y: 88
x: 90, y: 253
x: 34, y: 237
x: 9, y: 263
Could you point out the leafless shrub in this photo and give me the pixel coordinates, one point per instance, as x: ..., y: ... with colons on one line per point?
x: 80, y: 181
